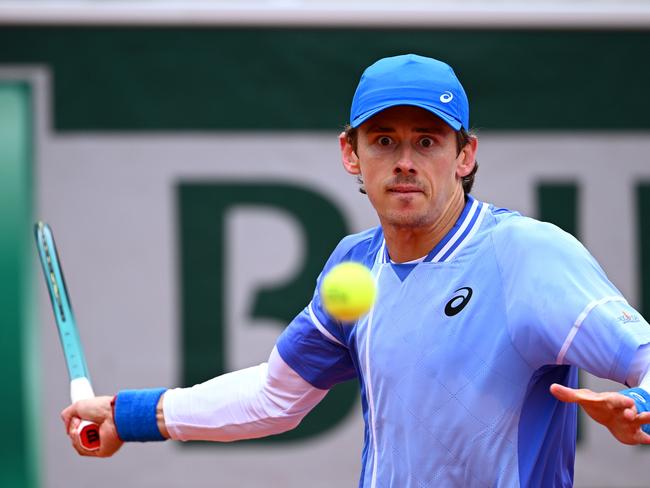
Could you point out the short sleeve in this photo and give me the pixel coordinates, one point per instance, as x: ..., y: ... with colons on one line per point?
x: 314, y: 344
x: 561, y: 307
x: 320, y: 359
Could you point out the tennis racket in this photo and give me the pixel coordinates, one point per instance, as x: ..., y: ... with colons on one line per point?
x: 80, y: 387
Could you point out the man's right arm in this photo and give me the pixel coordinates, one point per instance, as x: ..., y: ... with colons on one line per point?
x: 310, y: 357
x: 255, y: 402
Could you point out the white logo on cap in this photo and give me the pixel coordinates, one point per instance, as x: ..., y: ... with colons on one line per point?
x: 446, y: 97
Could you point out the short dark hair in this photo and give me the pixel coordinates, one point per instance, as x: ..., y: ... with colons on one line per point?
x: 463, y: 137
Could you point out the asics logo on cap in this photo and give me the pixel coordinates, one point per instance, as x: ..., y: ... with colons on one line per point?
x: 446, y: 97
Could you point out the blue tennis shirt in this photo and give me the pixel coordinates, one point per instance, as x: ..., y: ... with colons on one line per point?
x: 457, y: 355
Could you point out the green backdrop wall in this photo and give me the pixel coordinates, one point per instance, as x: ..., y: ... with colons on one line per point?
x: 171, y: 79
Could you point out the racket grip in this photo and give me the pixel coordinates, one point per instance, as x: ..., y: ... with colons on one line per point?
x: 88, y: 433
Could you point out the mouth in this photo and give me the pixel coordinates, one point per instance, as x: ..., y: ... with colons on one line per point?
x: 404, y: 189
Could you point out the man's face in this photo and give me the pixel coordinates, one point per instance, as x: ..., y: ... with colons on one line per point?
x: 410, y: 165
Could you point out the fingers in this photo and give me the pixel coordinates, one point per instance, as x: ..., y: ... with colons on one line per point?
x: 571, y: 395
x: 73, y: 425
x: 109, y: 439
x: 585, y: 395
x: 616, y: 401
x: 643, y: 438
x: 615, y: 411
x: 637, y: 436
x: 73, y: 434
x: 562, y: 393
x: 641, y: 419
x: 574, y: 395
x: 629, y: 414
x: 71, y: 417
x: 67, y: 414
x: 99, y: 411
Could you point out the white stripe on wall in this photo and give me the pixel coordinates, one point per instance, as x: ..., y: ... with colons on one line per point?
x: 417, y: 13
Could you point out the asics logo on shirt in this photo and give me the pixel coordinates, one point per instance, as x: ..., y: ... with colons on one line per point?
x: 457, y: 303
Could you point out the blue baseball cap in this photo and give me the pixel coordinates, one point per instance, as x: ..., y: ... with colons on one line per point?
x: 413, y: 80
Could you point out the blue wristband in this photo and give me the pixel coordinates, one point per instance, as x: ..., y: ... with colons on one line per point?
x: 135, y: 415
x: 642, y: 400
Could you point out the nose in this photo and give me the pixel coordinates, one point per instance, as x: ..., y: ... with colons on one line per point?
x: 405, y: 165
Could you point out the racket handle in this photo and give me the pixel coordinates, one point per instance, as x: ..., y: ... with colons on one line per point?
x: 88, y: 433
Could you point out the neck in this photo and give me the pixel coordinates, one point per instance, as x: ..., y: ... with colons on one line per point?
x: 408, y: 243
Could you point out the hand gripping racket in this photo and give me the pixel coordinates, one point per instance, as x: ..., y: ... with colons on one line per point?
x: 80, y: 387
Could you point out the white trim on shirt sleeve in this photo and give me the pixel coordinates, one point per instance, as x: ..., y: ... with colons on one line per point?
x: 322, y: 328
x: 579, y: 320
x: 255, y: 402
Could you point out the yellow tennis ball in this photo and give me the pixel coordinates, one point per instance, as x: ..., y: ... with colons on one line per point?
x: 348, y: 291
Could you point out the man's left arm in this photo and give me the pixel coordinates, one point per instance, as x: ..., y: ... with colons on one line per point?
x: 625, y: 413
x: 565, y: 311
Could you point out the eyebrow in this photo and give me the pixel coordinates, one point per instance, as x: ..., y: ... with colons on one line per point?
x: 420, y: 130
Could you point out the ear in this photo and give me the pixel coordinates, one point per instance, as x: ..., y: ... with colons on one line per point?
x: 466, y: 160
x: 348, y: 156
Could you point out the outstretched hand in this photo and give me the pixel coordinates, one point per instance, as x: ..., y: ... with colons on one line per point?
x: 615, y: 411
x: 98, y: 410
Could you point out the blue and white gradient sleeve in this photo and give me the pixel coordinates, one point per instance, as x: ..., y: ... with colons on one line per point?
x: 315, y: 345
x: 561, y: 307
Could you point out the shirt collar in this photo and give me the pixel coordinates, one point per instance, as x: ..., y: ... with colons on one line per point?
x: 465, y: 227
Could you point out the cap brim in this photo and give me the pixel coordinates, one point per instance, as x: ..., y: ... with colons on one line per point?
x: 453, y: 123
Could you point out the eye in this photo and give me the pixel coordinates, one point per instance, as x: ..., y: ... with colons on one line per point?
x: 385, y: 141
x: 426, y: 142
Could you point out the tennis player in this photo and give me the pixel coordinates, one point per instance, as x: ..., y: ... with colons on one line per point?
x: 468, y: 361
